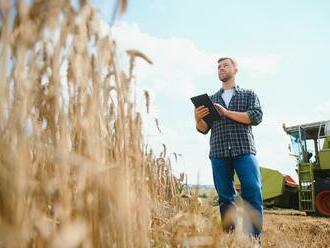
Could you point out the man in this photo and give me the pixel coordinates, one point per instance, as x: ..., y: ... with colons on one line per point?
x: 232, y: 148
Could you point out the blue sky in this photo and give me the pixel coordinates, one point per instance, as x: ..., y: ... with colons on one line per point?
x: 283, y: 52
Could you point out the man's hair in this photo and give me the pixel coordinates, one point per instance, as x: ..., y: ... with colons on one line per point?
x: 231, y: 60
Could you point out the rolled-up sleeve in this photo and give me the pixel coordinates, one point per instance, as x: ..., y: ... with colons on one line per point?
x: 254, y: 110
x: 209, y: 126
x: 208, y: 129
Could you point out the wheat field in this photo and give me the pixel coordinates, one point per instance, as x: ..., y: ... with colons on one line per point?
x: 75, y: 170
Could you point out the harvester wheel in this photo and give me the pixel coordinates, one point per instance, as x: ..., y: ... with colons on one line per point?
x: 323, y: 202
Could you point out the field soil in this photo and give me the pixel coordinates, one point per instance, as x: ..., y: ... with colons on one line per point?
x: 285, y: 228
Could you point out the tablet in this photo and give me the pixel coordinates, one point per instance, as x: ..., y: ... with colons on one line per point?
x: 206, y: 101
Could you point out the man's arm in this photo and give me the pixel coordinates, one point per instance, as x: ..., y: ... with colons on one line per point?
x: 241, y: 117
x: 253, y: 116
x: 202, y: 127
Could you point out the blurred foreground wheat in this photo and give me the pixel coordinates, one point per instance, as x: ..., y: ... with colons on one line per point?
x: 74, y: 170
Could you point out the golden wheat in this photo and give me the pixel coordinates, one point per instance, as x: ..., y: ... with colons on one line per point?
x: 74, y: 170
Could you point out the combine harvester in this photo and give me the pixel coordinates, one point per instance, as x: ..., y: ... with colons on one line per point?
x: 310, y: 144
x: 278, y: 190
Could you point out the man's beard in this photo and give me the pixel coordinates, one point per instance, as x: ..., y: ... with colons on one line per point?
x: 225, y: 79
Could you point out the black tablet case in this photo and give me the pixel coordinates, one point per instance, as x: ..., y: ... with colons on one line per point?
x: 206, y: 101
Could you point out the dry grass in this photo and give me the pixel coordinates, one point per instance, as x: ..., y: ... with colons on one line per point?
x: 74, y: 168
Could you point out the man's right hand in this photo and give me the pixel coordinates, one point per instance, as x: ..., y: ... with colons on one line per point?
x: 200, y: 113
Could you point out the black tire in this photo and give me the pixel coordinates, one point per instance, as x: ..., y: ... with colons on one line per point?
x: 322, y: 197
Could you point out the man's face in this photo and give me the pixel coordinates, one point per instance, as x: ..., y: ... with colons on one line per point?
x: 226, y: 70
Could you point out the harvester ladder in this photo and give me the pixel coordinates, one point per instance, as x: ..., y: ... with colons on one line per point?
x: 306, y: 187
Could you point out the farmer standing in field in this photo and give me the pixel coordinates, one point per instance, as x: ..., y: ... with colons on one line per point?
x: 232, y: 148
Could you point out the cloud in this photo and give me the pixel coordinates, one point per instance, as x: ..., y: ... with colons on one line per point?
x: 177, y: 62
x: 324, y: 109
x: 179, y: 59
x: 261, y: 66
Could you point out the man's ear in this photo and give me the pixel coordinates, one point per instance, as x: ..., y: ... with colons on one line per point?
x: 236, y: 70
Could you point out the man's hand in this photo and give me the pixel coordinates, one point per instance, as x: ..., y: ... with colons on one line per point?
x: 241, y: 117
x: 200, y: 113
x: 221, y: 110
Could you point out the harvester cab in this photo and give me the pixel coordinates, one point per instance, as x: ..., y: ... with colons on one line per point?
x: 310, y: 144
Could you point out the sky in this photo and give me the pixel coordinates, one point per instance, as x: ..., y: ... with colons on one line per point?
x: 282, y: 49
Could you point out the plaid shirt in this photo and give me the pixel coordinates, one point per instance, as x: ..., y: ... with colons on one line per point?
x: 230, y: 138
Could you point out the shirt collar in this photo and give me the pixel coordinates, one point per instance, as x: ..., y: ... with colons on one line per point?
x: 236, y: 89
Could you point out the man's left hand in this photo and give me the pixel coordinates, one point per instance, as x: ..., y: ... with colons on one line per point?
x: 221, y: 110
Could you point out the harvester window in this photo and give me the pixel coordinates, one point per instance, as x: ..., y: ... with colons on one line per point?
x: 295, y: 145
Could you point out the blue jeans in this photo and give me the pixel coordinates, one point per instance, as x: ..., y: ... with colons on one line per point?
x: 247, y: 169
